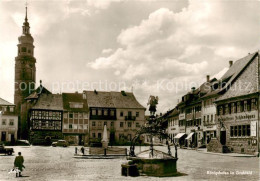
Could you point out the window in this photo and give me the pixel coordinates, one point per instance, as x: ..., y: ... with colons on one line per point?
x: 129, y: 124
x: 93, y: 112
x: 212, y: 118
x: 11, y: 109
x: 238, y: 107
x: 80, y: 116
x: 234, y: 107
x: 121, y: 124
x: 105, y: 123
x: 249, y: 105
x: 85, y: 115
x: 23, y: 49
x: 80, y: 126
x: 99, y: 123
x: 137, y: 125
x: 112, y: 113
x: 11, y: 122
x: 105, y: 112
x: 253, y: 104
x: 240, y: 131
x: 99, y: 135
x: 121, y: 113
x: 112, y: 124
x: 129, y: 114
x: 76, y: 115
x: 99, y: 112
x: 65, y: 115
x: 242, y: 108
x: 93, y: 135
x: 93, y: 123
x: 137, y: 114
x: 229, y: 109
x: 235, y: 131
x: 4, y: 122
x: 231, y: 131
x: 248, y: 130
x: 244, y: 130
x: 71, y: 115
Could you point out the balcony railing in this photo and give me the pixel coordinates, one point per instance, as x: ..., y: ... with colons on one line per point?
x: 130, y: 118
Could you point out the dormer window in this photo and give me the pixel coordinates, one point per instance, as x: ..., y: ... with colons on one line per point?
x: 11, y: 109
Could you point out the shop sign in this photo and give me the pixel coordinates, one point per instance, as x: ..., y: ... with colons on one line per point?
x: 239, y: 116
x: 253, y: 128
x: 182, y: 130
x: 182, y: 116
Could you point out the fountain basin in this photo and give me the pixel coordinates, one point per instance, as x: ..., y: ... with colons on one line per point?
x: 160, y: 164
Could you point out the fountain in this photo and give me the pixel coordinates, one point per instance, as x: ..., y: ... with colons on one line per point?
x: 151, y: 162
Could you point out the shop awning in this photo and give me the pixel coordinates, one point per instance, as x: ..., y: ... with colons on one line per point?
x: 189, y: 136
x: 179, y: 135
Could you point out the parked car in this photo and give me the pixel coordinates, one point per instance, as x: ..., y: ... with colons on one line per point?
x: 63, y: 143
x: 23, y: 143
x: 6, y: 151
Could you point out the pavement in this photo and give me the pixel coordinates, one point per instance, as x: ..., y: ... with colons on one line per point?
x: 204, y: 150
x: 58, y: 163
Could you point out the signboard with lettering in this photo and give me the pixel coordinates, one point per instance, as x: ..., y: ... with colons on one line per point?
x: 253, y: 128
x: 244, y: 116
x: 182, y: 116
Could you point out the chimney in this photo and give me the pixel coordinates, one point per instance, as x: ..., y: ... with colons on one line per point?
x: 230, y: 63
x: 208, y: 77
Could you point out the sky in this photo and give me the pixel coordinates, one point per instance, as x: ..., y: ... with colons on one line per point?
x: 149, y: 47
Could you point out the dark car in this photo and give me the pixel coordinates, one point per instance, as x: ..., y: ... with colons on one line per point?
x: 6, y: 151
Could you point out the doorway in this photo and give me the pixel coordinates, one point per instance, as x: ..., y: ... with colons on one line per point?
x: 112, y: 138
x: 12, y: 138
x: 3, y: 136
x: 223, y: 137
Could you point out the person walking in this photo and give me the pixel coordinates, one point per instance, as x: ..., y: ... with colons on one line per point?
x: 18, y: 162
x: 82, y: 150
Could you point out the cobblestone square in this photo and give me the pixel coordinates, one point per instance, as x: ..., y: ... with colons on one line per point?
x: 57, y: 163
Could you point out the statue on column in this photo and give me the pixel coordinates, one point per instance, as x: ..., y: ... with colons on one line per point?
x: 153, y: 101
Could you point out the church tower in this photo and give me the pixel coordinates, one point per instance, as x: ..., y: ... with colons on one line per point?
x: 24, y: 66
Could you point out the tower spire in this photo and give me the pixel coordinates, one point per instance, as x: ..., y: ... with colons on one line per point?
x: 26, y: 19
x: 26, y: 26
